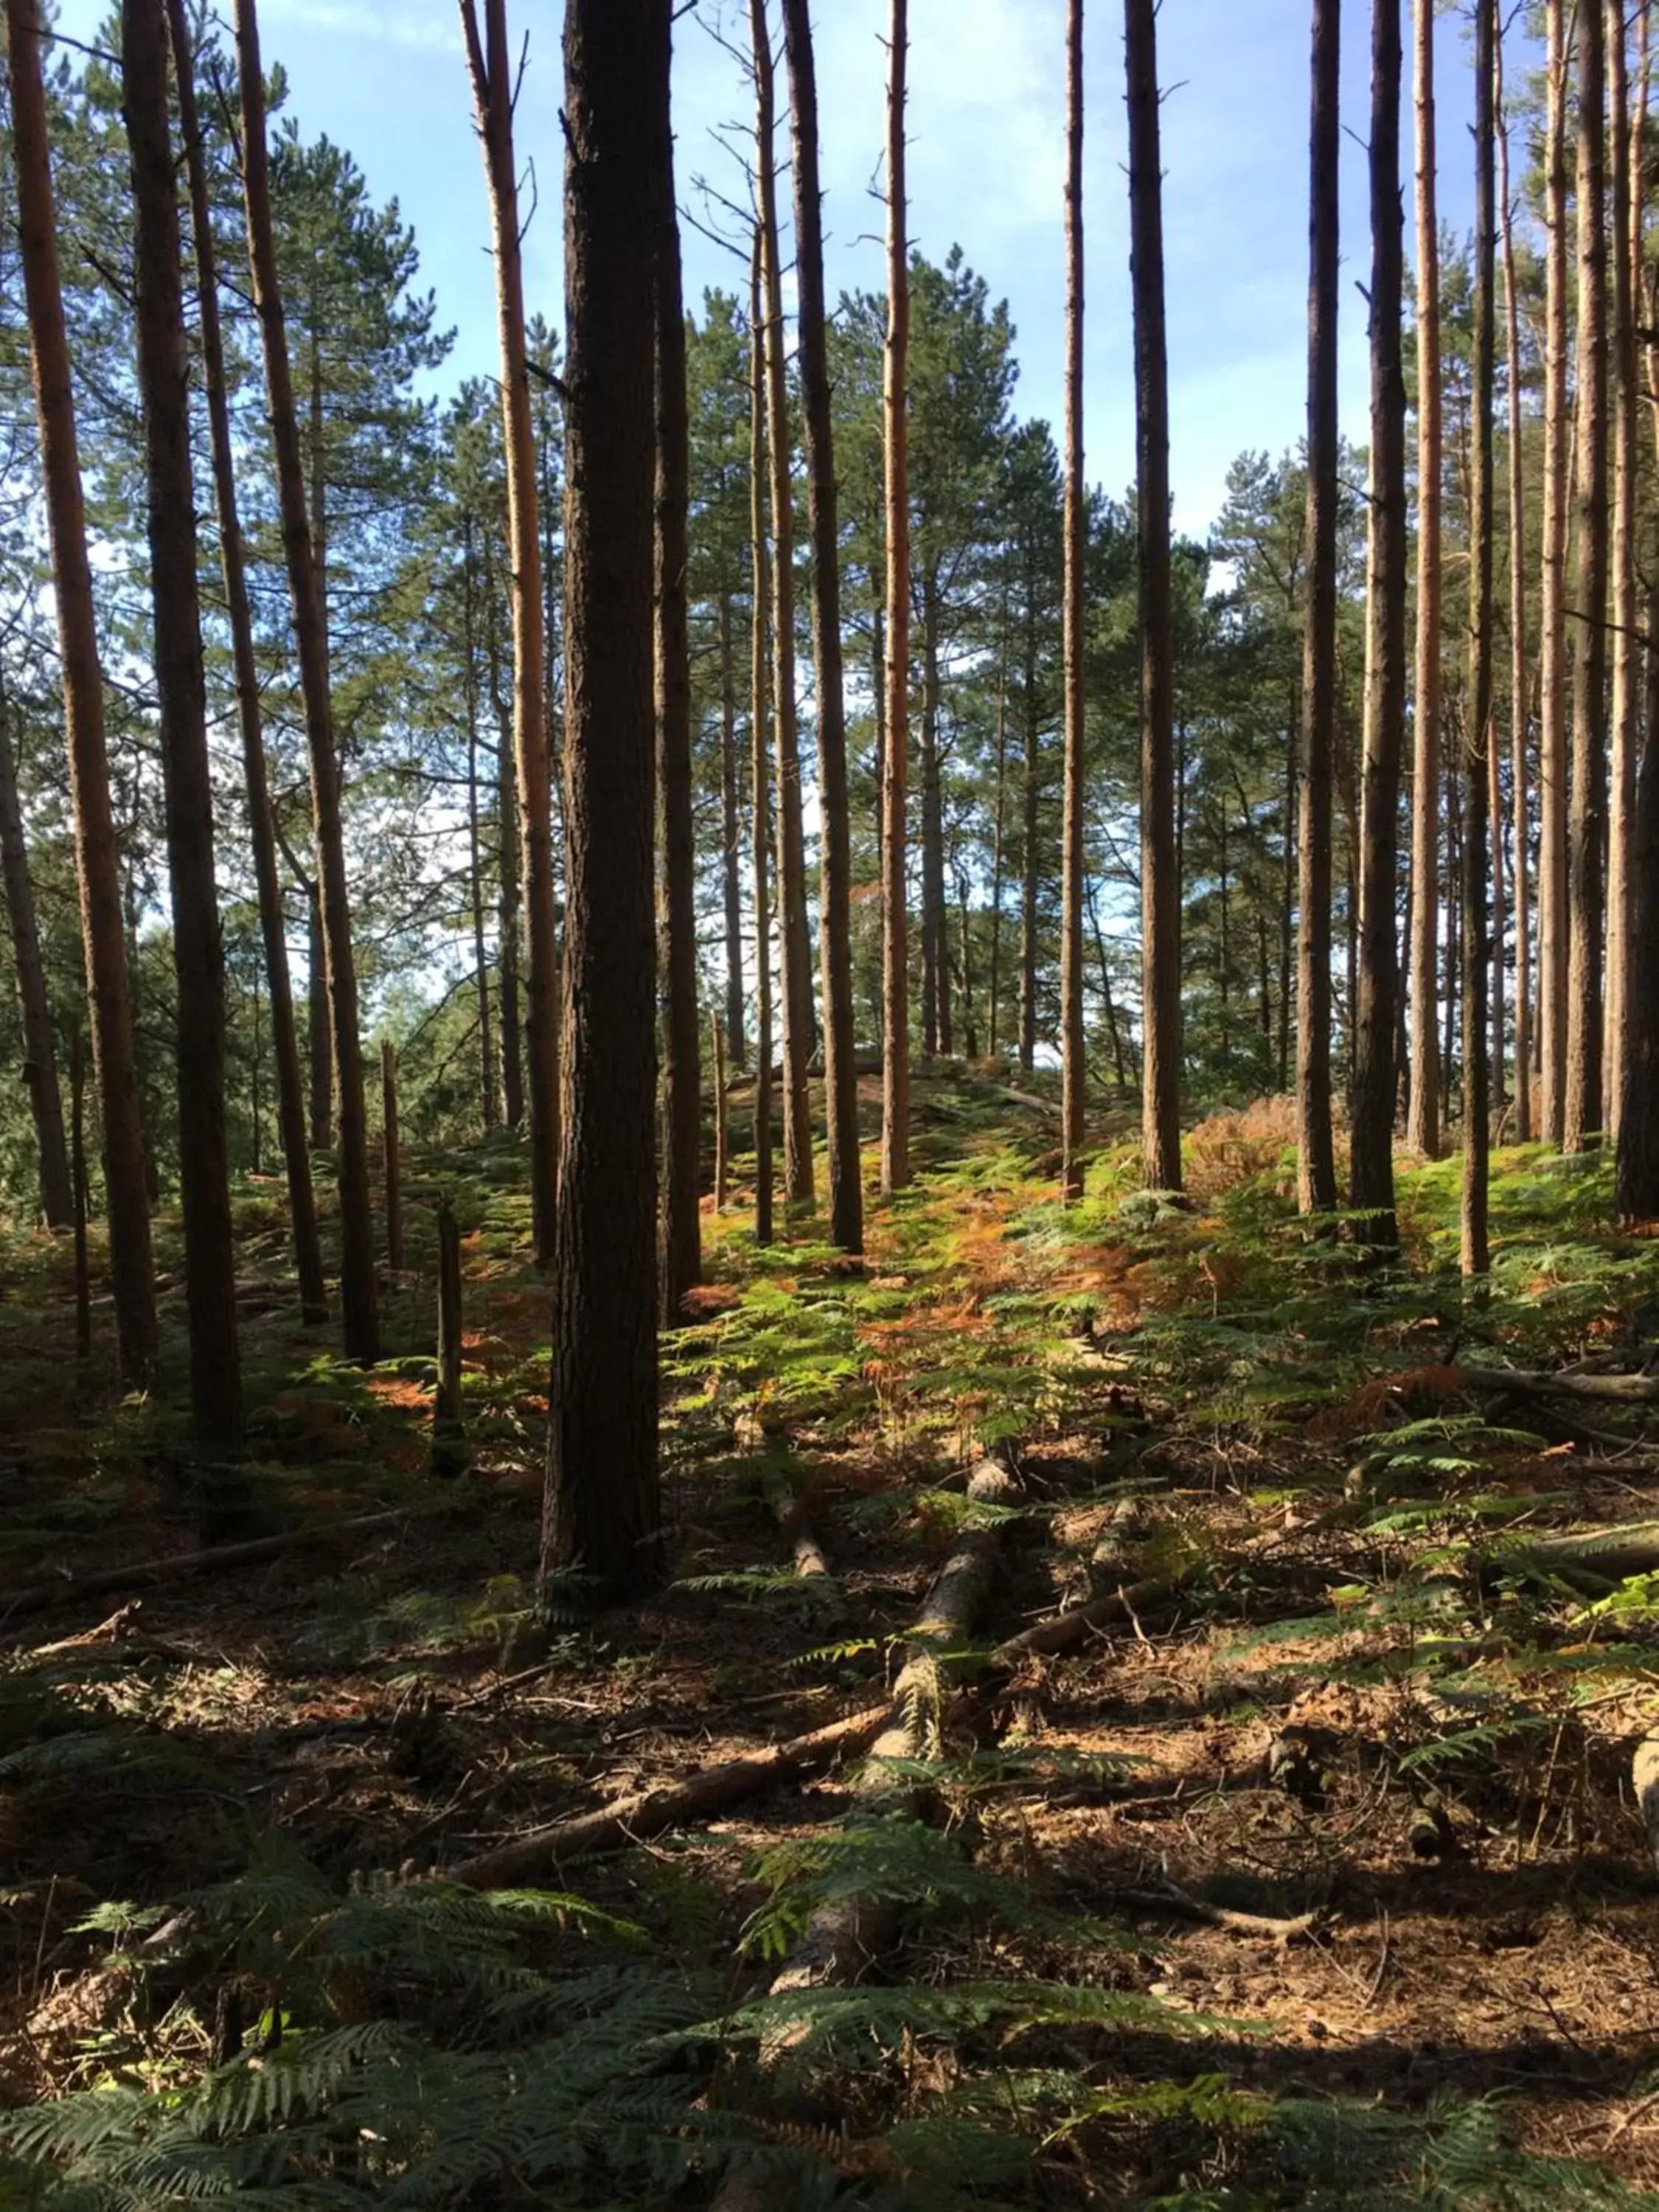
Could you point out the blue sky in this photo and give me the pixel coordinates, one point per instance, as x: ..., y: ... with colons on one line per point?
x: 385, y: 78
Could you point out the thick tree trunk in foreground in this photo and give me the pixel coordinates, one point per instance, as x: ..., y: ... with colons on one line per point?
x: 39, y: 1050
x: 1626, y: 257
x: 490, y: 67
x: 1371, y: 1187
x: 1423, y: 1112
x: 795, y: 971
x: 604, y: 1505
x: 102, y: 935
x: 840, y: 1088
x: 1518, y: 685
x: 1074, y: 1073
x: 1636, y: 1187
x: 1477, y: 1133
x: 1316, y: 1156
x: 357, y: 1298
x: 1552, y: 650
x: 679, y: 1235
x: 273, y: 920
x: 1587, y: 808
x: 1160, y: 876
x: 215, y: 1398
x: 895, y: 975
x: 760, y: 751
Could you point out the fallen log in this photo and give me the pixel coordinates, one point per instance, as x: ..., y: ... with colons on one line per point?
x: 651, y: 1813
x: 218, y: 1558
x: 1063, y: 1629
x: 1620, y: 1389
x: 1594, y: 1558
x: 788, y: 1510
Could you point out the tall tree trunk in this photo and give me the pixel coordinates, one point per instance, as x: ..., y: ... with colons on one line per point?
x: 357, y: 1295
x: 1476, y: 1257
x: 935, y: 955
x: 604, y: 1505
x: 510, y: 908
x: 181, y: 699
x: 895, y: 1012
x: 1497, y: 948
x: 96, y: 866
x: 273, y: 924
x: 795, y: 991
x: 680, y: 1234
x: 999, y: 855
x: 489, y: 64
x: 760, y: 749
x: 1160, y: 880
x: 1587, y: 808
x: 1626, y: 259
x: 1423, y: 1113
x: 1372, y: 1149
x: 1315, y: 1156
x: 1147, y: 259
x: 39, y: 1051
x: 1637, y: 1187
x: 835, y: 868
x: 1552, y: 662
x: 1287, y: 894
x: 730, y: 843
x: 1518, y: 685
x: 487, y: 1104
x: 319, y: 1042
x: 1030, y: 856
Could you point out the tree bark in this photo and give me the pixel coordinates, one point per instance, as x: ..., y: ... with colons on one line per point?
x: 717, y: 1063
x: 1637, y: 1185
x: 1160, y: 878
x: 1519, y: 684
x: 603, y: 1505
x: 760, y: 750
x: 493, y: 91
x: 1315, y: 1155
x: 1031, y: 857
x: 836, y: 869
x: 731, y: 842
x: 1587, y: 804
x: 1372, y: 1149
x: 896, y: 996
x: 1551, y: 666
x: 1423, y: 1113
x: 1073, y: 1080
x: 679, y: 1230
x: 362, y: 1331
x: 320, y: 1047
x: 935, y: 954
x: 1625, y: 259
x: 488, y: 1109
x: 1476, y: 1258
x: 97, y: 871
x: 509, y: 911
x: 392, y: 1160
x: 273, y: 921
x: 795, y: 973
x: 181, y: 698
x: 39, y: 1050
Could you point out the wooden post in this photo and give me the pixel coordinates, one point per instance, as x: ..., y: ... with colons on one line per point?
x: 394, y: 1201
x: 78, y: 1177
x: 719, y: 1112
x: 449, y: 1453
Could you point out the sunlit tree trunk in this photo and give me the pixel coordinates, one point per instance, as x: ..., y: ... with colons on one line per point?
x: 1587, y: 808
x: 488, y: 1114
x: 1371, y: 1187
x: 1315, y: 1157
x: 1423, y: 1113
x: 1552, y: 661
x: 1148, y: 365
x: 603, y: 1504
x: 1518, y: 682
x: 357, y: 1299
x: 760, y: 721
x: 836, y: 871
x: 1625, y: 259
x: 1160, y: 876
x: 1477, y: 1133
x: 895, y: 995
x: 102, y: 935
x: 509, y: 922
x: 490, y: 67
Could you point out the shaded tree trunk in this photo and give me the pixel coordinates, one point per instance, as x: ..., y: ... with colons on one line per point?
x: 97, y: 872
x: 1518, y: 685
x: 487, y: 1104
x: 1476, y: 1258
x: 835, y: 867
x: 362, y: 1331
x: 1423, y: 1112
x: 895, y: 1014
x: 1587, y: 804
x: 998, y: 857
x: 1147, y: 261
x: 1160, y: 878
x: 1030, y: 858
x: 320, y: 1045
x: 1637, y: 1186
x: 1372, y: 1148
x: 489, y: 66
x: 1316, y: 1156
x: 935, y: 958
x: 604, y: 1505
x: 273, y: 924
x: 731, y: 842
x: 39, y: 1051
x: 1626, y: 258
x: 760, y: 750
x: 1551, y: 662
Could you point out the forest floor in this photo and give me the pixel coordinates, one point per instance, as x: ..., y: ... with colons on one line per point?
x: 1316, y: 1876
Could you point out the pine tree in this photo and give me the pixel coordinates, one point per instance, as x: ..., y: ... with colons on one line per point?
x: 895, y: 996
x: 1423, y: 1115
x: 1477, y: 1135
x: 1072, y: 1066
x: 39, y: 1049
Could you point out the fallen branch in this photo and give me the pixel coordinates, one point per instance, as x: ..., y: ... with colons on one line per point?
x: 789, y: 1509
x: 63, y: 1589
x: 1060, y: 1632
x: 1596, y: 1557
x: 1168, y: 1899
x: 1623, y: 1389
